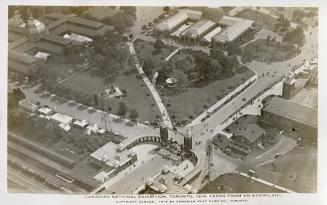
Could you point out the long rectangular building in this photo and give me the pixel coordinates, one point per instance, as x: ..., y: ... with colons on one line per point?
x: 208, y: 38
x: 59, y: 24
x: 177, y: 20
x: 233, y: 32
x: 291, y: 116
x: 199, y: 29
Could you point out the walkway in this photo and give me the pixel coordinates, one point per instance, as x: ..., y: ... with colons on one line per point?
x: 156, y: 96
x: 75, y: 74
x: 173, y: 53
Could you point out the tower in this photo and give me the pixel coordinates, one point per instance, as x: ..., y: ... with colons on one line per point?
x: 288, y: 87
x: 163, y: 133
x: 188, y: 142
x: 208, y: 171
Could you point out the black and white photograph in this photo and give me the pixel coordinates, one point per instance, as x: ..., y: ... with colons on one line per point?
x: 161, y: 100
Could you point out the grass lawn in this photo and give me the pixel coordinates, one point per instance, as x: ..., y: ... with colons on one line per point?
x: 271, y: 53
x: 297, y: 170
x: 145, y: 49
x: 236, y: 183
x: 194, y: 101
x: 138, y: 96
x: 267, y: 21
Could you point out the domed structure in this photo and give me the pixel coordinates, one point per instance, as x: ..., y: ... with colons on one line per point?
x: 35, y: 29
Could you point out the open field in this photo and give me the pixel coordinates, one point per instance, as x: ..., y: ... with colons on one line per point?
x: 270, y: 53
x: 267, y: 21
x: 235, y: 183
x: 137, y: 94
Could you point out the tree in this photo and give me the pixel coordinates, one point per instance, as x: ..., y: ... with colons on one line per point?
x: 166, y: 9
x: 133, y: 114
x: 148, y: 65
x: 295, y: 37
x: 202, y: 60
x: 131, y: 10
x: 268, y: 41
x: 247, y: 57
x: 95, y: 100
x: 121, y: 21
x: 216, y: 53
x: 164, y: 72
x: 215, y: 68
x: 19, y: 94
x: 181, y: 78
x: 122, y: 109
x: 158, y: 45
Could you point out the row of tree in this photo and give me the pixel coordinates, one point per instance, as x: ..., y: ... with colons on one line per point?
x: 123, y: 109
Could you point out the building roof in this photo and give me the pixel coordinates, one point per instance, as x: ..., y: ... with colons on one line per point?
x: 28, y: 105
x: 44, y: 110
x: 42, y: 55
x: 22, y: 58
x: 56, y: 39
x: 18, y: 42
x: 75, y: 20
x: 180, y: 30
x: 81, y: 123
x: 77, y: 37
x: 234, y: 31
x: 212, y: 34
x: 16, y: 29
x: 199, y: 28
x: 229, y: 20
x: 251, y: 132
x: 181, y: 16
x: 167, y: 180
x: 293, y: 111
x: 109, y: 154
x: 65, y: 119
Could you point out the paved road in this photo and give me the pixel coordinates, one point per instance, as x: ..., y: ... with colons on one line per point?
x: 221, y: 102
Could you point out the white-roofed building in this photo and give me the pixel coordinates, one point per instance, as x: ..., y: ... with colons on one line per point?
x: 211, y: 34
x: 199, y: 29
x: 80, y: 123
x: 42, y: 55
x: 45, y: 111
x: 65, y: 127
x: 234, y: 31
x: 180, y: 18
x: 78, y: 38
x: 28, y: 106
x: 110, y: 156
x: 93, y: 128
x: 61, y: 118
x: 180, y: 30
